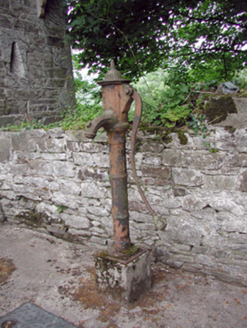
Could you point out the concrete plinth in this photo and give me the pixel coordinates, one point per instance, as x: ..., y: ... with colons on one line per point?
x: 124, y: 279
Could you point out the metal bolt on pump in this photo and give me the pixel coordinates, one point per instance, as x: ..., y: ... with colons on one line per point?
x: 117, y: 98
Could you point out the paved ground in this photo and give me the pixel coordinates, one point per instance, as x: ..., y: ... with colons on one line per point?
x: 59, y: 277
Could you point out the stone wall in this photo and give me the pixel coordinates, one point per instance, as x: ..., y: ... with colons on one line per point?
x: 36, y: 80
x: 58, y: 181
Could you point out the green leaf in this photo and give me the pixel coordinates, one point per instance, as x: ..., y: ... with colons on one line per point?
x: 184, y: 88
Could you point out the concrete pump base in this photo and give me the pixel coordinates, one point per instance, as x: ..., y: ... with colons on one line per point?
x: 124, y: 279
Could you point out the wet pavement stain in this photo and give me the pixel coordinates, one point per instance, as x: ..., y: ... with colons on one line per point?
x: 6, y: 268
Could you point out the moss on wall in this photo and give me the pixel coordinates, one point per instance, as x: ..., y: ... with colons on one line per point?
x: 217, y: 109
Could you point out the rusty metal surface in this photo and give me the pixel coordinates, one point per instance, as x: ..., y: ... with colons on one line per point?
x: 116, y: 104
x: 113, y: 75
x: 117, y: 97
x: 136, y: 122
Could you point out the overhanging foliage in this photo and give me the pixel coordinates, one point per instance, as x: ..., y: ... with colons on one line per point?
x: 142, y: 35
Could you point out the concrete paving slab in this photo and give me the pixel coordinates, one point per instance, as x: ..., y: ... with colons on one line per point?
x: 59, y: 277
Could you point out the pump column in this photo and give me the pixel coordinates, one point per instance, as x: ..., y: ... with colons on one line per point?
x: 118, y: 178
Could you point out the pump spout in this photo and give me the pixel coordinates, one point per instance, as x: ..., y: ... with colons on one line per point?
x: 106, y: 120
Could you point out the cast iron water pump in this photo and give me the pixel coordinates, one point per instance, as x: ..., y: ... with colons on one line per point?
x: 117, y: 98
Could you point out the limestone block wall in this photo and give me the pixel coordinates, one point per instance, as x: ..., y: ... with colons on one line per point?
x: 36, y: 80
x: 58, y: 181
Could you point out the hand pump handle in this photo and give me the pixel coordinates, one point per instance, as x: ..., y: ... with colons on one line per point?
x: 137, y: 118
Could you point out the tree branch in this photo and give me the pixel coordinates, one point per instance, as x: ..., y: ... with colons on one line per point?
x: 126, y: 39
x: 218, y: 18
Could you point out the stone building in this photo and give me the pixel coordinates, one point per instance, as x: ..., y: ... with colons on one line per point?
x: 36, y: 79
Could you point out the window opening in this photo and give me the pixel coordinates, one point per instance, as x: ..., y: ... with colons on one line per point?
x: 16, y: 63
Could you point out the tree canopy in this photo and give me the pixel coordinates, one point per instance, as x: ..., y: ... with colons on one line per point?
x: 143, y: 35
